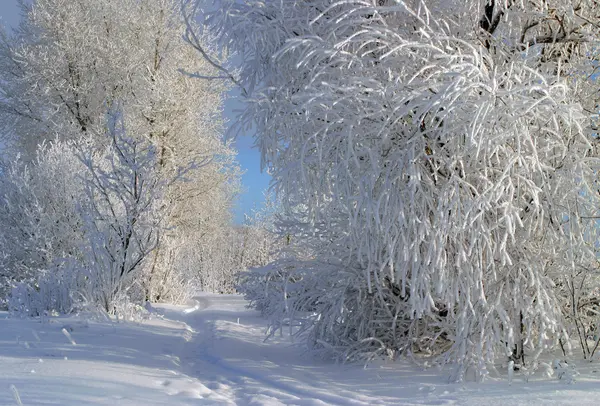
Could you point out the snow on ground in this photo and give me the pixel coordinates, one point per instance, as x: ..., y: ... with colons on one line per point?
x: 214, y: 353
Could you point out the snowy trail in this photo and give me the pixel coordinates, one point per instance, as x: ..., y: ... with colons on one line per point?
x: 212, y: 352
x: 249, y: 386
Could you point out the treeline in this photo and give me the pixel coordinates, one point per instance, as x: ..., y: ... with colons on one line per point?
x: 117, y: 183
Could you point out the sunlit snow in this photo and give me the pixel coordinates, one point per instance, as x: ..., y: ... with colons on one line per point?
x: 213, y: 352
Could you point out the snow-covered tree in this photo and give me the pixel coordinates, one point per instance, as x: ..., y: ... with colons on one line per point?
x: 93, y: 249
x: 440, y: 159
x: 110, y: 216
x: 71, y: 62
x: 123, y: 185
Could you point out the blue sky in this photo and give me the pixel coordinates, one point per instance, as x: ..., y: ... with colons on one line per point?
x: 254, y: 182
x: 9, y: 11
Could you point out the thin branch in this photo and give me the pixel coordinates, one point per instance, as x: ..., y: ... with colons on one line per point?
x: 199, y: 76
x: 191, y: 38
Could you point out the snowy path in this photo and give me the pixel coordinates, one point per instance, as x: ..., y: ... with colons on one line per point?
x: 227, y: 350
x: 212, y: 353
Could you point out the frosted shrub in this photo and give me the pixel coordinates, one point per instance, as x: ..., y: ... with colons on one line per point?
x: 54, y: 291
x: 38, y: 211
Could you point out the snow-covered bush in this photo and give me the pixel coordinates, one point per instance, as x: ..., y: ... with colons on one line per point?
x: 39, y: 213
x: 56, y: 291
x: 445, y: 157
x: 579, y: 292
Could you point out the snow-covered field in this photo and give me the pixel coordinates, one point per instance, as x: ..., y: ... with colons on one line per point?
x: 213, y: 353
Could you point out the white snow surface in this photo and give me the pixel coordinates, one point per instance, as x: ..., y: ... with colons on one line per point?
x: 213, y: 352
